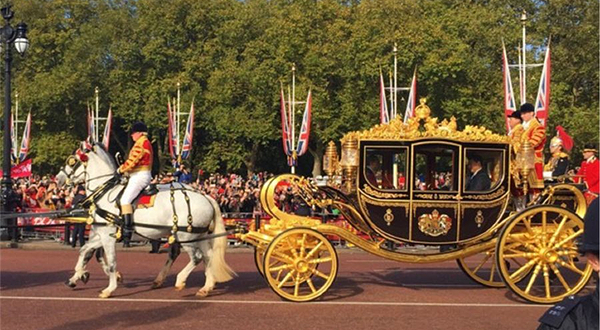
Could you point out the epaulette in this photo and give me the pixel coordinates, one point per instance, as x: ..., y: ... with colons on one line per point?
x: 555, y: 316
x: 563, y: 155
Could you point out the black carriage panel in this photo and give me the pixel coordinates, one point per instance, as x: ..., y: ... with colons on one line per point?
x: 388, y: 218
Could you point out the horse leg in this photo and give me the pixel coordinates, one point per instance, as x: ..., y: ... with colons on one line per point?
x: 173, y: 254
x: 205, y: 249
x: 195, y: 258
x: 109, y: 245
x: 85, y: 254
x: 101, y: 258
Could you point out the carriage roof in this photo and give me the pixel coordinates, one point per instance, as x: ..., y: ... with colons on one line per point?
x: 423, y: 126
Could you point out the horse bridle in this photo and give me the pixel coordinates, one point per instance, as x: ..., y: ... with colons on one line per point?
x: 80, y: 158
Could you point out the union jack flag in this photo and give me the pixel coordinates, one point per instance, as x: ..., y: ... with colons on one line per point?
x: 189, y: 134
x: 509, y: 97
x: 305, y: 129
x: 384, y: 115
x: 285, y: 128
x: 107, y: 129
x: 542, y: 102
x: 411, y: 103
x: 25, y: 141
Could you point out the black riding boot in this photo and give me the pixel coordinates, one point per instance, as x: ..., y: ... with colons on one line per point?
x: 127, y: 229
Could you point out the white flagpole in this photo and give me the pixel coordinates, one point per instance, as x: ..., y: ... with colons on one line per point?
x: 391, y: 95
x: 178, y: 121
x: 395, y: 109
x: 97, y: 116
x: 289, y: 110
x: 524, y: 95
x: 16, y: 127
x: 293, y: 114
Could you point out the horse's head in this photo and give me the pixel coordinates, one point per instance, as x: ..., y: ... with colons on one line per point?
x: 89, y: 160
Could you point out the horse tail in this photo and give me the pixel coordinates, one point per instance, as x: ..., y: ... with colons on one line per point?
x: 219, y: 268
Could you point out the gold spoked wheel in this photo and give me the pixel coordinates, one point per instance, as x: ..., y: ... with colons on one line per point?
x: 482, y: 269
x: 291, y: 262
x: 259, y: 253
x: 543, y: 240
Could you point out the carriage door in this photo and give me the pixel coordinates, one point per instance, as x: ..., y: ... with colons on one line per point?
x: 435, y: 192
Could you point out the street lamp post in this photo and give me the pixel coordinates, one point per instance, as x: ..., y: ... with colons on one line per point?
x: 18, y: 37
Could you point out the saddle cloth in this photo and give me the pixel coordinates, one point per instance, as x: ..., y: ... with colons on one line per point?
x: 145, y: 199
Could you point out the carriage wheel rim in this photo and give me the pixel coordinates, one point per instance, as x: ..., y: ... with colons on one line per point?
x: 493, y: 279
x: 289, y: 266
x: 549, y: 248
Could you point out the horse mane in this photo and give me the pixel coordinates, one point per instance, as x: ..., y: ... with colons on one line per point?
x: 106, y: 157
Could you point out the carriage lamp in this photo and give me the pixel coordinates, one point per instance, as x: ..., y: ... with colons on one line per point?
x: 330, y: 160
x: 18, y: 37
x: 526, y: 161
x: 349, y: 162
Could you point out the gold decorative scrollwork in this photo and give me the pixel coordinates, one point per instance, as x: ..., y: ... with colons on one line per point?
x: 436, y: 196
x: 493, y: 195
x: 479, y: 218
x: 388, y: 217
x: 417, y: 205
x: 480, y: 205
x: 390, y: 204
x: 378, y: 194
x: 435, y: 224
x: 422, y: 125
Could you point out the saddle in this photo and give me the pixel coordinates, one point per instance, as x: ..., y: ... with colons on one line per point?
x: 145, y: 199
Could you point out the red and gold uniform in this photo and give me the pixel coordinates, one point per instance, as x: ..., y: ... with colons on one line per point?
x: 140, y: 157
x: 535, y: 133
x: 589, y: 173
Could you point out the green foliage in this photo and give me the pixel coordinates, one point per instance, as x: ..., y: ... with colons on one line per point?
x: 231, y: 57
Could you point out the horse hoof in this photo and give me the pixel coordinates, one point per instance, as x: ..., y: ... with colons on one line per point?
x: 104, y: 295
x: 202, y: 293
x: 119, y: 277
x: 180, y: 287
x: 156, y: 285
x: 70, y: 284
x: 85, y: 277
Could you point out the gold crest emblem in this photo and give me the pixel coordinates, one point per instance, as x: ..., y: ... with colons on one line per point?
x: 388, y: 217
x: 435, y: 224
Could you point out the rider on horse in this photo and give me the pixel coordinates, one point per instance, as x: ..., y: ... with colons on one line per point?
x: 138, y: 166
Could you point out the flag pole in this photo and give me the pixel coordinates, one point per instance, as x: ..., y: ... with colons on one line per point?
x: 97, y: 117
x: 524, y: 22
x: 17, y: 146
x: 395, y: 109
x: 178, y: 121
x: 293, y: 118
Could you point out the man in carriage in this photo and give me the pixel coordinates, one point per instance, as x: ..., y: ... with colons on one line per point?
x: 138, y: 167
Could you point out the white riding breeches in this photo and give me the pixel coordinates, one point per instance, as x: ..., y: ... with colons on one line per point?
x: 137, y: 182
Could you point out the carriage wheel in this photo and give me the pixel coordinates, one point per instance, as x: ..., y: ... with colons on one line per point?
x: 482, y: 269
x: 543, y: 240
x: 291, y: 262
x: 259, y: 253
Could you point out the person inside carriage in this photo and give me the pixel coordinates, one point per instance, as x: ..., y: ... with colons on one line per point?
x: 138, y: 167
x: 479, y: 180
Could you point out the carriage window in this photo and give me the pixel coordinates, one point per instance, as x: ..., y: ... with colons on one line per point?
x: 435, y: 168
x: 385, y: 168
x: 484, y: 169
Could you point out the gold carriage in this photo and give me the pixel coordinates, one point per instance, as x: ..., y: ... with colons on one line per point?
x: 408, y: 184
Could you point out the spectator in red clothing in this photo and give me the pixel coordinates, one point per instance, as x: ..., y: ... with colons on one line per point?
x: 589, y: 172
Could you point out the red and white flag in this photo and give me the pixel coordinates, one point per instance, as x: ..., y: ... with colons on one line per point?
x: 172, y: 134
x: 542, y: 102
x: 411, y: 103
x: 107, y: 129
x: 509, y: 97
x: 25, y: 141
x: 384, y: 115
x: 285, y: 127
x: 186, y: 149
x: 305, y: 128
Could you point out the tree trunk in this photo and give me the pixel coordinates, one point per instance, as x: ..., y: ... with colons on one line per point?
x: 250, y: 160
x: 318, y: 156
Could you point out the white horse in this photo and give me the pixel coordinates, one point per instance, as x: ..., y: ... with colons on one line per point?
x: 152, y: 223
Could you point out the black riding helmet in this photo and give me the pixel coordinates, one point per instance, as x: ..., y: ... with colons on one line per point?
x: 138, y: 127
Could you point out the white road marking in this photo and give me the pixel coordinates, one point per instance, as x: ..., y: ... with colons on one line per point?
x: 267, y: 302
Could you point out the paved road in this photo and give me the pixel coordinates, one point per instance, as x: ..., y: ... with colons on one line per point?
x: 369, y: 293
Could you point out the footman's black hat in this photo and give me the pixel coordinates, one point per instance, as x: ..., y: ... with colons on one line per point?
x: 515, y: 114
x: 138, y: 127
x: 527, y: 107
